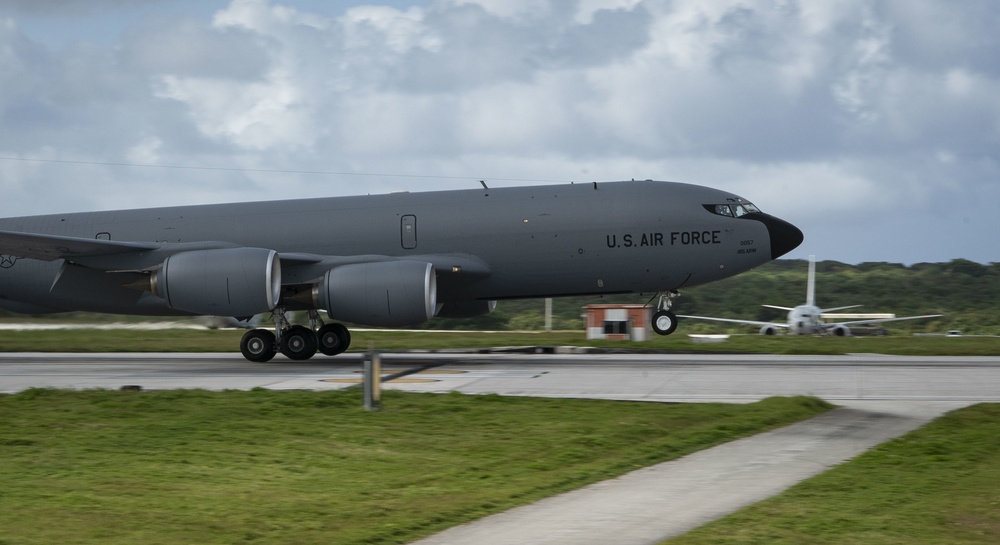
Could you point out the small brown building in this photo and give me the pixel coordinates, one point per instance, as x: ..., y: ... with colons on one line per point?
x: 618, y: 322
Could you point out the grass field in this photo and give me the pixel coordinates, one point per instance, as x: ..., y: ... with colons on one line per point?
x: 259, y: 466
x: 309, y: 467
x: 938, y: 485
x: 186, y: 340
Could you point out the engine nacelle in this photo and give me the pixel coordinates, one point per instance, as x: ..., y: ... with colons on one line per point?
x: 382, y: 293
x: 768, y: 330
x: 465, y: 309
x: 221, y: 282
x: 841, y: 331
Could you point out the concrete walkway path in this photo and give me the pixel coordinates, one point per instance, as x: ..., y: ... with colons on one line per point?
x: 669, y: 499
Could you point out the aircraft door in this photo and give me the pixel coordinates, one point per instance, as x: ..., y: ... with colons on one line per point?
x: 408, y: 231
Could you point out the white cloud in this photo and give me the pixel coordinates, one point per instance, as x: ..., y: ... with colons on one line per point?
x: 374, y: 26
x: 587, y: 9
x: 509, y: 9
x: 846, y: 109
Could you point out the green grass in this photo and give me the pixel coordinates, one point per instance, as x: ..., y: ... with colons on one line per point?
x: 940, y: 484
x: 191, y: 466
x: 178, y: 340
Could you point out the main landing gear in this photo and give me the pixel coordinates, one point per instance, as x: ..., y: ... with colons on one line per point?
x: 296, y: 342
x: 664, y: 321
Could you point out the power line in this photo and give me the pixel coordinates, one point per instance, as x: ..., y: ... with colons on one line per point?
x: 273, y: 171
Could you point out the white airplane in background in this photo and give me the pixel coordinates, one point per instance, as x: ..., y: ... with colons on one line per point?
x: 807, y: 319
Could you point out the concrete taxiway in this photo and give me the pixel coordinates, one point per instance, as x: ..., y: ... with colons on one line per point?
x: 881, y: 397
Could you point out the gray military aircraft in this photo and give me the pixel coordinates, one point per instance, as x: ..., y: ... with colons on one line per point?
x: 385, y: 260
x: 807, y: 319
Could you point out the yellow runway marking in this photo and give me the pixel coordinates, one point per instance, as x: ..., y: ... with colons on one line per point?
x: 424, y: 372
x: 394, y: 381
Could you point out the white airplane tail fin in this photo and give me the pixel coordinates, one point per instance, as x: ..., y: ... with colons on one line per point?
x: 811, y: 285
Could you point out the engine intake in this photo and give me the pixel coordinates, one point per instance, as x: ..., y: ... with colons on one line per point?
x: 221, y: 282
x: 382, y: 293
x: 842, y: 331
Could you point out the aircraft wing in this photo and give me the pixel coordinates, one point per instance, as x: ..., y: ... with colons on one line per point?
x: 831, y: 325
x: 443, y: 263
x: 734, y: 321
x: 52, y: 247
x: 122, y: 256
x: 834, y: 309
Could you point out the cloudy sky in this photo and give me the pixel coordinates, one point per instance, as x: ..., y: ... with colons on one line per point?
x: 873, y: 126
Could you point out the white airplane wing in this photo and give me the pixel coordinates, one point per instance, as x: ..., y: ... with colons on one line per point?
x: 831, y: 325
x: 834, y: 309
x: 734, y: 321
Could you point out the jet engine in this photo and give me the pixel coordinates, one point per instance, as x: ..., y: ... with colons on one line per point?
x: 768, y: 330
x: 382, y: 293
x: 220, y: 282
x: 465, y: 309
x: 841, y: 331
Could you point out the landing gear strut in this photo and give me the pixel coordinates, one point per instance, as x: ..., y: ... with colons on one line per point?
x: 664, y: 321
x: 296, y: 342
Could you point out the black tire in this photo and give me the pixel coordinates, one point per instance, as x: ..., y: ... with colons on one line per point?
x: 333, y: 339
x: 298, y: 343
x: 258, y: 345
x: 664, y: 322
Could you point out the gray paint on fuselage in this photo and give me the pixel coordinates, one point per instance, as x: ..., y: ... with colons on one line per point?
x: 536, y: 241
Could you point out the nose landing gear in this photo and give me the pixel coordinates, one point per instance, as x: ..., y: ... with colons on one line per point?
x: 664, y: 322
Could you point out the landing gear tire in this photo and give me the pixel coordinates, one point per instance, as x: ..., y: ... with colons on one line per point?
x: 664, y: 322
x: 333, y: 339
x: 298, y: 343
x: 258, y: 345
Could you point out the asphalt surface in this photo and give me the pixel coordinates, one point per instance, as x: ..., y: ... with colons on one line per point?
x: 881, y: 397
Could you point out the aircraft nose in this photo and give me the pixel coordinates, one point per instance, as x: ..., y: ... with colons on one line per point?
x: 785, y: 237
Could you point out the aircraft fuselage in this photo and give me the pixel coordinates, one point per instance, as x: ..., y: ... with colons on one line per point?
x: 535, y: 241
x: 368, y: 257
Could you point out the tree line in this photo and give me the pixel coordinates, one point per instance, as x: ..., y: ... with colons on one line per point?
x: 966, y: 292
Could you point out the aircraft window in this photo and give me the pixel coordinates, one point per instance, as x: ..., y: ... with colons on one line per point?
x: 723, y: 210
x: 733, y: 210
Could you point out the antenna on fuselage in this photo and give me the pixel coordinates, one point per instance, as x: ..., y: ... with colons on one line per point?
x: 484, y: 184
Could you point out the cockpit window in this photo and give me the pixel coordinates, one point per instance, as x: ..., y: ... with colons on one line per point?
x: 723, y: 210
x: 733, y: 209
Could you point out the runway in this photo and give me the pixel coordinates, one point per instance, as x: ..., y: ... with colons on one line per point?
x: 645, y: 377
x: 881, y: 397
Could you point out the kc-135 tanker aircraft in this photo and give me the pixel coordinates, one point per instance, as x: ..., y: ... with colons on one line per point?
x: 385, y: 260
